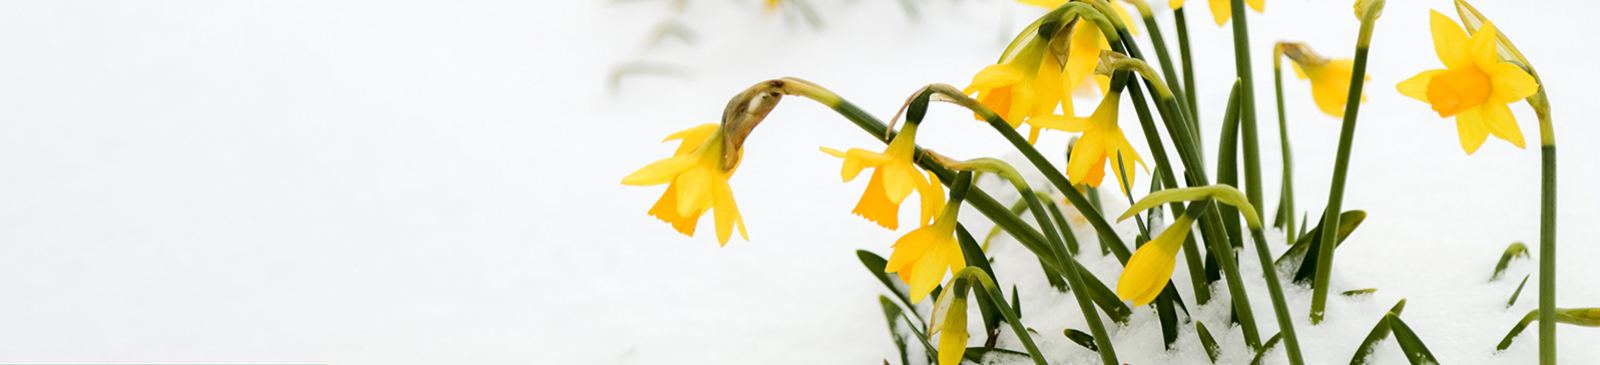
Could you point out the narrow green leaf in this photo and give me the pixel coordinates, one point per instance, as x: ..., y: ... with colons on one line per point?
x: 1221, y: 193
x: 1516, y: 249
x: 1302, y: 257
x: 875, y: 264
x: 1207, y: 341
x: 1082, y: 339
x: 1016, y: 209
x: 1379, y: 332
x: 1514, y: 294
x: 975, y: 258
x: 1416, y: 352
x: 1016, y: 304
x: 891, y: 311
x: 1586, y: 317
x: 931, y: 351
x: 1266, y: 348
x: 1351, y: 293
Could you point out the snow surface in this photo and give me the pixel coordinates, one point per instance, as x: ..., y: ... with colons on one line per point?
x: 427, y: 182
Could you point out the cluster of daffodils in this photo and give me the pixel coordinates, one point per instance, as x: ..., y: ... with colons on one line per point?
x: 1087, y: 48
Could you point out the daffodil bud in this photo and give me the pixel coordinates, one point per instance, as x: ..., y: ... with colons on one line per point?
x: 950, y: 322
x: 1364, y: 6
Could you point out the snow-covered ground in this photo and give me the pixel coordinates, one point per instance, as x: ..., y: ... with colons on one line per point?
x: 426, y: 182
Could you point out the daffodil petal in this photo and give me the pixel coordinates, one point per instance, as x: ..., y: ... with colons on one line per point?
x: 1497, y: 118
x: 696, y: 188
x: 1331, y: 89
x: 1258, y: 5
x: 1175, y: 4
x: 1088, y: 153
x: 1449, y: 41
x: 660, y: 172
x: 1509, y: 83
x: 832, y: 152
x: 727, y: 213
x: 932, y: 194
x: 900, y: 179
x: 1469, y: 124
x: 1298, y: 72
x: 1085, y: 54
x: 1147, y: 273
x: 908, y: 250
x: 994, y: 76
x: 1221, y: 10
x: 1133, y: 27
x: 1416, y: 87
x: 857, y: 159
x: 1482, y: 47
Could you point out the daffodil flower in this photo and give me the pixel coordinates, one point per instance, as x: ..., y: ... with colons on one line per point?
x: 1121, y: 12
x: 1475, y: 86
x: 1102, y: 141
x: 922, y: 257
x: 696, y: 182
x: 1026, y: 85
x: 1222, y: 10
x: 1330, y: 79
x: 1149, y: 269
x: 894, y: 177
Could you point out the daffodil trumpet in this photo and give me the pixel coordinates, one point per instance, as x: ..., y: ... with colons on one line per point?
x: 1368, y: 10
x: 1473, y: 20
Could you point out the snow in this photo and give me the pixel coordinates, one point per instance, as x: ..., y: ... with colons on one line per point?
x: 424, y: 182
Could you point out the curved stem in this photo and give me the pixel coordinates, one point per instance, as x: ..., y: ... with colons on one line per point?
x: 1275, y: 290
x: 1021, y: 331
x: 1287, y: 198
x: 1319, y: 292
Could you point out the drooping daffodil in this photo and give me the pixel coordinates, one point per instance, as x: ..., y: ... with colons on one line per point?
x: 894, y: 177
x: 1222, y: 10
x: 1102, y: 141
x: 697, y: 181
x: 1330, y: 79
x: 1025, y: 84
x: 922, y: 257
x: 1475, y: 86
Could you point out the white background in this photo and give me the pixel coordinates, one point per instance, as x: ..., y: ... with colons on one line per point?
x: 415, y: 182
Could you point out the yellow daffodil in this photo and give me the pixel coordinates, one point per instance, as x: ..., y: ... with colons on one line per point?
x: 1102, y: 141
x: 1151, y: 266
x: 696, y: 182
x: 1222, y: 10
x: 1027, y: 85
x: 1330, y: 79
x: 894, y: 176
x: 950, y: 319
x: 1474, y: 87
x: 922, y: 257
x: 773, y: 4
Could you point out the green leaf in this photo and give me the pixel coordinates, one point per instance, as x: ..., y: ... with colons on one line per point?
x: 975, y: 258
x: 1302, y: 257
x: 1082, y: 339
x: 1016, y: 304
x: 1266, y: 347
x: 1515, y: 250
x: 1379, y: 332
x: 1016, y: 209
x: 1206, y: 341
x: 1587, y: 317
x: 1416, y: 352
x: 890, y: 311
x: 931, y: 352
x: 977, y: 354
x: 1351, y: 293
x: 1514, y: 294
x: 875, y: 264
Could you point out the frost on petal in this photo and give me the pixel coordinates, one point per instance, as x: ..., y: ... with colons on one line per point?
x: 1416, y: 87
x: 1449, y: 41
x: 1497, y: 118
x: 875, y: 205
x: 1470, y: 126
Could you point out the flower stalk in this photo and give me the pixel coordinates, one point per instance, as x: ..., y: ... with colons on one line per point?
x: 1286, y: 199
x: 1247, y: 107
x: 1369, y: 10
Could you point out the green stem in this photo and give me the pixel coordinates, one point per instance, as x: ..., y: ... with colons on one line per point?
x: 1166, y: 61
x: 1341, y: 167
x: 1247, y: 108
x: 1275, y: 290
x: 1158, y: 151
x: 1287, y: 198
x: 1547, y: 244
x: 1228, y: 172
x: 1188, y: 70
